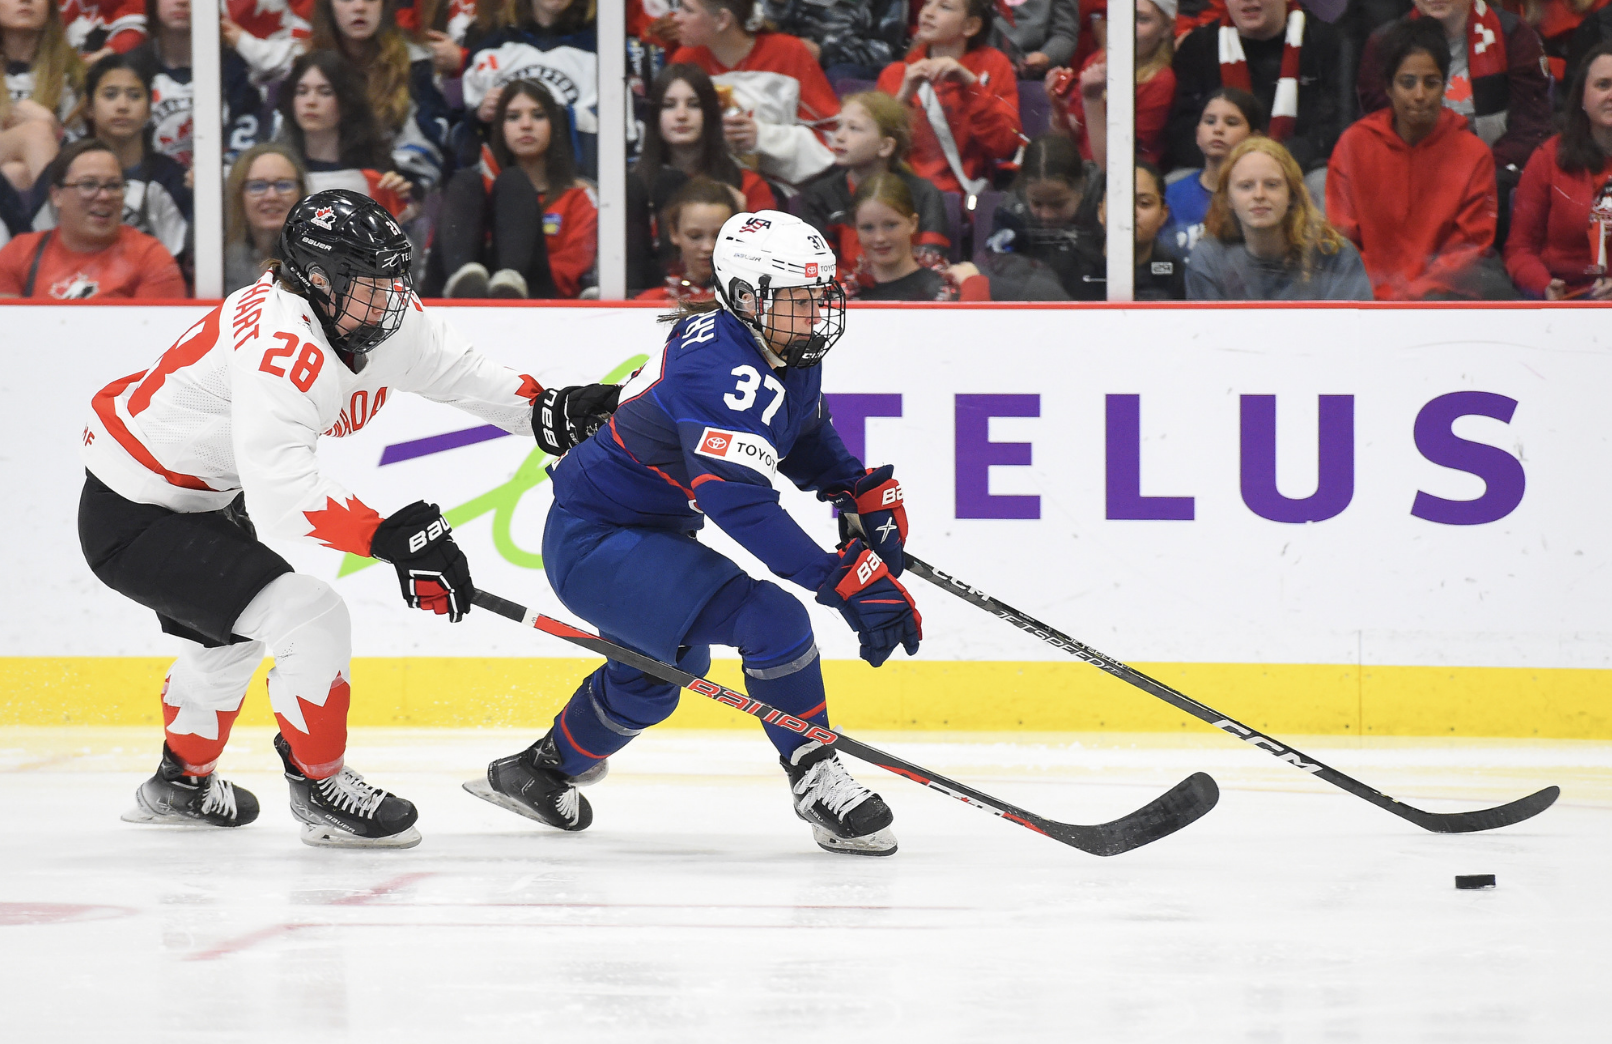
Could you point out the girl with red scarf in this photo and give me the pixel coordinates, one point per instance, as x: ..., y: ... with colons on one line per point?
x: 963, y: 96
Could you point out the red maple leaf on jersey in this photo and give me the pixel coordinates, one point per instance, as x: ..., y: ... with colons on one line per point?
x: 529, y: 389
x: 345, y: 527
x: 1459, y: 89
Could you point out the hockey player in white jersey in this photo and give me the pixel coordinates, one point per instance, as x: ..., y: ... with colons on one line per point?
x: 231, y: 414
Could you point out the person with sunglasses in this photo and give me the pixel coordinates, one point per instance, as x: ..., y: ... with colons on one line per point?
x: 263, y: 185
x: 90, y: 252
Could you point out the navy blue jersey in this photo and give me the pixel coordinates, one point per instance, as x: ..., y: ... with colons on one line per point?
x: 701, y: 431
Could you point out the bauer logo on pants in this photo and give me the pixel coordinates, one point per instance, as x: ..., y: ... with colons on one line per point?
x: 741, y: 448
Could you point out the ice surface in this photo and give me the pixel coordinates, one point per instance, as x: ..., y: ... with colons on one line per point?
x: 698, y: 909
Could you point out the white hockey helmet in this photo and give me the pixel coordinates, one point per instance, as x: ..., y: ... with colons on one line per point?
x: 758, y: 255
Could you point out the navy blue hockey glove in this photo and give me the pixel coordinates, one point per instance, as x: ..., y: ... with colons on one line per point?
x: 565, y: 417
x: 877, y: 607
x: 431, y: 569
x: 879, y: 507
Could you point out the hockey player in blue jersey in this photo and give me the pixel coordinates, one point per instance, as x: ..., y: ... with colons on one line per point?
x: 733, y: 398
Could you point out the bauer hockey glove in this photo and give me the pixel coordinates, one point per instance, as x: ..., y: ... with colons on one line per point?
x: 877, y: 607
x: 433, y: 572
x: 875, y: 509
x: 564, y: 417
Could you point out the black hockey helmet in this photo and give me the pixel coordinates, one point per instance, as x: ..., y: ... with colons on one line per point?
x: 331, y: 241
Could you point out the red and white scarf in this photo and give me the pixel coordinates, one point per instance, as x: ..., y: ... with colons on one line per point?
x: 1234, y: 70
x: 1485, y: 41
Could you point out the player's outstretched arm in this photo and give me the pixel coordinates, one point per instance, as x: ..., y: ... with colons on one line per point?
x: 564, y: 417
x: 454, y: 373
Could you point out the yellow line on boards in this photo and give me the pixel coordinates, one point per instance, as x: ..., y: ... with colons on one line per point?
x: 1298, y: 699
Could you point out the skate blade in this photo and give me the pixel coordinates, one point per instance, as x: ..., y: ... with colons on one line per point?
x: 325, y: 836
x: 482, y: 789
x: 141, y: 814
x: 145, y: 814
x: 878, y: 843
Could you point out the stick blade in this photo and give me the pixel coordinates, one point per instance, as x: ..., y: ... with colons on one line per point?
x: 1484, y: 818
x: 1180, y: 806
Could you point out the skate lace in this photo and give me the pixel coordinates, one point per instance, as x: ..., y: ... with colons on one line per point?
x: 828, y: 782
x: 219, y: 797
x: 566, y: 804
x: 346, y: 791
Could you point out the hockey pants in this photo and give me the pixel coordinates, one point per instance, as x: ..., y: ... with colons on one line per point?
x: 667, y: 595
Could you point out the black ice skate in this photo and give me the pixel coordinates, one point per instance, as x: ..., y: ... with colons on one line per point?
x: 173, y: 798
x: 531, y: 784
x: 343, y: 811
x: 845, y: 816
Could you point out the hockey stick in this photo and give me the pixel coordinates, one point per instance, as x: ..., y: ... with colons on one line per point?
x: 1166, y: 814
x: 1438, y: 822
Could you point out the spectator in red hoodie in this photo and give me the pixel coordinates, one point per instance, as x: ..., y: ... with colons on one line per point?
x: 1410, y: 185
x: 1497, y: 81
x: 1558, y: 247
x: 955, y: 84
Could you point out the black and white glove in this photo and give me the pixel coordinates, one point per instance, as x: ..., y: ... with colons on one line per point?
x: 563, y: 417
x: 417, y: 541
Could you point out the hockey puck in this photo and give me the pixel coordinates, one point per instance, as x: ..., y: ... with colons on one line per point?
x: 1474, y: 881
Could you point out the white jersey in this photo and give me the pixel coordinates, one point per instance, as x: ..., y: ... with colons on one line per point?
x: 240, y: 400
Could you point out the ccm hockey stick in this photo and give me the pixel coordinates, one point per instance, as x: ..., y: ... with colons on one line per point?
x: 1438, y: 822
x: 1166, y: 814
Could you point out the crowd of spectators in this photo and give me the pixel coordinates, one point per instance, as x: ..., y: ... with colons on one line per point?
x: 946, y: 149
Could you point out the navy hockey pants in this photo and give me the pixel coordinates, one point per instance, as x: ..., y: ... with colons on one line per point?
x: 667, y: 595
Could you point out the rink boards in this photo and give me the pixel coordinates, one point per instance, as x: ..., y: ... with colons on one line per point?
x: 1329, y: 520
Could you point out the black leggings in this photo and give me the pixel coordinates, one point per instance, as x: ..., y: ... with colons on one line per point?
x: 514, y: 214
x: 198, y: 571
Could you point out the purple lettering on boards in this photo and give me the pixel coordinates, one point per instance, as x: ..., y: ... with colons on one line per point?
x: 1501, y: 473
x: 850, y: 412
x: 976, y: 454
x: 1335, y: 461
x: 1124, y: 465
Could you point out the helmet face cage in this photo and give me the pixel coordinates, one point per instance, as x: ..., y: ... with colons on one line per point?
x: 772, y: 311
x: 353, y: 295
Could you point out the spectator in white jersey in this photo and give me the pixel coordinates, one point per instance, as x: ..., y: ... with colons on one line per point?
x: 43, y: 72
x: 117, y: 110
x: 1266, y: 240
x: 165, y: 57
x: 326, y: 120
x: 264, y: 184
